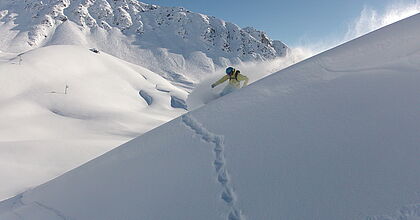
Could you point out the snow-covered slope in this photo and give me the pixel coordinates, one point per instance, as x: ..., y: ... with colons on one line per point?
x: 177, y: 43
x: 334, y: 137
x: 47, y: 129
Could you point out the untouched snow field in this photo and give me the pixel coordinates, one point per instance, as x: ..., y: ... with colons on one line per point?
x: 333, y: 137
x: 45, y: 132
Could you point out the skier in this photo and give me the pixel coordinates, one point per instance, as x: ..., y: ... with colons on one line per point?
x: 235, y: 77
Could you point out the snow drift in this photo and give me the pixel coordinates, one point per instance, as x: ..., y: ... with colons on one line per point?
x: 61, y: 106
x: 334, y: 137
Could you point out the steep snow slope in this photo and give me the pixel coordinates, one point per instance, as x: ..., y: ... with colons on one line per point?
x: 334, y: 137
x: 45, y: 132
x: 177, y: 43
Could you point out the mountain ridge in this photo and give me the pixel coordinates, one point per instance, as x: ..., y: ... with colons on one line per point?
x: 333, y: 137
x: 172, y: 41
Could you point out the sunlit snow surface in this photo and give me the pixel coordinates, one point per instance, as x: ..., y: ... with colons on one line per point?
x: 180, y: 45
x: 333, y: 137
x: 46, y: 128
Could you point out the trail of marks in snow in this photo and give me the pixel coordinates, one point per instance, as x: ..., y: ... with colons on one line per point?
x: 228, y: 196
x: 410, y: 212
x: 388, y: 67
x: 54, y: 211
x: 17, y: 203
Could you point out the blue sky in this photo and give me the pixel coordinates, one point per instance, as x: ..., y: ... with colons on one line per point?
x: 291, y: 21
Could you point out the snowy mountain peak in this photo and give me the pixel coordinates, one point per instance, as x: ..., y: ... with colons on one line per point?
x: 123, y: 27
x: 134, y: 17
x: 334, y: 137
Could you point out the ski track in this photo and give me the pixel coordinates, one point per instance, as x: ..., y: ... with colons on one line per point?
x: 388, y: 67
x: 228, y: 195
x: 19, y: 203
x: 54, y: 211
x: 410, y: 212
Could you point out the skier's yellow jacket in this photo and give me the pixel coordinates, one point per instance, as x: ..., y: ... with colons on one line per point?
x: 234, y: 80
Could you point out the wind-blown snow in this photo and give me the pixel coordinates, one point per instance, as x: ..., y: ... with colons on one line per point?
x: 47, y: 129
x: 203, y: 93
x: 333, y: 137
x: 62, y: 106
x: 371, y: 19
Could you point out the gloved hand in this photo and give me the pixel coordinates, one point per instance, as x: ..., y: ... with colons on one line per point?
x: 212, y: 85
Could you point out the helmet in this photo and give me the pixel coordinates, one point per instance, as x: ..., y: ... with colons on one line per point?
x: 230, y: 70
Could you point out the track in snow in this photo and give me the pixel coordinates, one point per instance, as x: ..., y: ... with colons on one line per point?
x: 228, y: 196
x: 21, y: 209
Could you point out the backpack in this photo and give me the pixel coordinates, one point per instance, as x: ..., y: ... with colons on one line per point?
x: 235, y: 75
